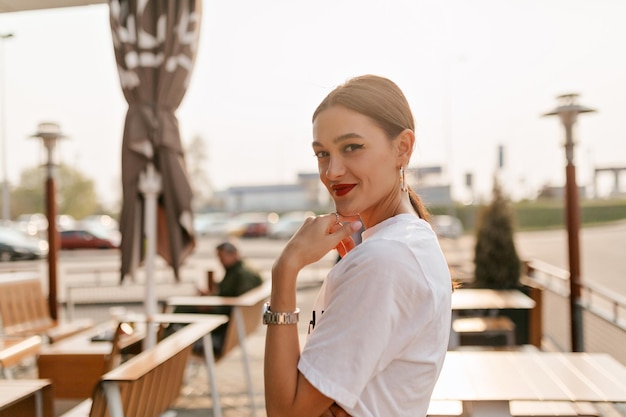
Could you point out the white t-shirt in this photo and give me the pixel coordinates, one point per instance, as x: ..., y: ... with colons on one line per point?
x: 381, y: 322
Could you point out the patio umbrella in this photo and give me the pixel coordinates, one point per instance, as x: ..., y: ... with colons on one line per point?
x: 155, y: 45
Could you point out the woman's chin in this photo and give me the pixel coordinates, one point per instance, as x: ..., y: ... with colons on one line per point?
x: 347, y: 213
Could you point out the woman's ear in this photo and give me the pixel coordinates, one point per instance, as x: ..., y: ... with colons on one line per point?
x: 405, y: 144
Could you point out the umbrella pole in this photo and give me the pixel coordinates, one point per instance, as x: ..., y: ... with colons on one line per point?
x: 150, y: 187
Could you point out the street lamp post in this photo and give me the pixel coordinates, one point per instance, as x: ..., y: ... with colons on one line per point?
x: 6, y: 195
x: 50, y: 133
x: 568, y: 111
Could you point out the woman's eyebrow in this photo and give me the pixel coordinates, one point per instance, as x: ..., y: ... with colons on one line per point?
x: 341, y: 138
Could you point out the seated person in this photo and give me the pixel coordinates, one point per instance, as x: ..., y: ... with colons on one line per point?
x: 238, y: 279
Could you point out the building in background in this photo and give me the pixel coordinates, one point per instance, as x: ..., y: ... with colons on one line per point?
x: 308, y: 193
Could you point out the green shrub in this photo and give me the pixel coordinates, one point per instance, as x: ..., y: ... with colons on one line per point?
x: 497, y: 264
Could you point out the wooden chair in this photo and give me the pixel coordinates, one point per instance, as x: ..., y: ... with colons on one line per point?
x: 148, y: 384
x: 24, y: 311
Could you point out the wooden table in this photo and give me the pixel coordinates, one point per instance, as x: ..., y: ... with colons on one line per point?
x: 14, y: 349
x: 464, y: 299
x: 486, y: 299
x: 486, y: 381
x: 75, y: 364
x: 25, y: 398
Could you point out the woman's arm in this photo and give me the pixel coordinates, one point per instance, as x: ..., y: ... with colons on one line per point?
x: 287, y: 392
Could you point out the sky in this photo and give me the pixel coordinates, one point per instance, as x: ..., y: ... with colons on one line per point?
x: 478, y: 74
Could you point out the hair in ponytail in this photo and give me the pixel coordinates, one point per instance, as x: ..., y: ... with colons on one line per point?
x: 418, y: 205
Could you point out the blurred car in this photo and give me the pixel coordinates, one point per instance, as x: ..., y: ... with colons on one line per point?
x: 88, y: 239
x: 447, y: 226
x: 284, y: 229
x: 33, y: 224
x: 248, y: 225
x: 65, y: 222
x: 210, y: 224
x: 16, y: 245
x: 287, y: 224
x: 99, y: 221
x: 36, y: 224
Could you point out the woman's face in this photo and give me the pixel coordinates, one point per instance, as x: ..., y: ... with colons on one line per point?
x: 357, y: 163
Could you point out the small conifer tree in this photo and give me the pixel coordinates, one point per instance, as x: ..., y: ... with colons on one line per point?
x: 497, y: 265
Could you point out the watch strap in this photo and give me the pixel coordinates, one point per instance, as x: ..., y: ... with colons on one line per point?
x: 271, y: 317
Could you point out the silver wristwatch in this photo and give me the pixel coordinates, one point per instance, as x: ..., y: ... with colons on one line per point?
x: 270, y: 317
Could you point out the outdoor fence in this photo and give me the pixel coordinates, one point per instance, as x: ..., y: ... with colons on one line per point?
x: 603, y: 318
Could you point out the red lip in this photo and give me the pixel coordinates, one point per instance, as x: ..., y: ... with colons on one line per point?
x: 342, y: 189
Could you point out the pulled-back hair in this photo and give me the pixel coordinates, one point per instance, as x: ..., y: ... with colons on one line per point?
x: 381, y: 100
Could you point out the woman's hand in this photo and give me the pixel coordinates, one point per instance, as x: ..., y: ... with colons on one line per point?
x: 316, y: 237
x: 347, y: 244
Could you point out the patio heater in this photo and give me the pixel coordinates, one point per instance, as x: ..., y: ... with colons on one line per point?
x: 50, y: 132
x: 568, y: 111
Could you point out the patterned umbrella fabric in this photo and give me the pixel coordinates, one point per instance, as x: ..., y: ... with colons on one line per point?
x: 155, y: 43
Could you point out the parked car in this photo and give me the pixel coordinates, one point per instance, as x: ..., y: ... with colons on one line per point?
x: 210, y: 224
x: 248, y: 225
x: 447, y: 226
x: 287, y: 224
x: 33, y: 224
x: 99, y: 221
x: 87, y: 239
x: 16, y: 245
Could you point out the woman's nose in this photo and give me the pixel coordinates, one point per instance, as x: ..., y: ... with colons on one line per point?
x: 336, y: 168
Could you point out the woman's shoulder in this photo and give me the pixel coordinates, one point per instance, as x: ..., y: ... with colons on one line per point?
x: 379, y: 258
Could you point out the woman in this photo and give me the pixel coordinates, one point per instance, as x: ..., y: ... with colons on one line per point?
x: 381, y: 322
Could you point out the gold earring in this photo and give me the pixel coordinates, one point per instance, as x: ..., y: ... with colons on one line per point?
x: 403, y: 185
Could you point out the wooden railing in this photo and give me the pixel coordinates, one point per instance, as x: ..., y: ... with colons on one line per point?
x: 604, y: 311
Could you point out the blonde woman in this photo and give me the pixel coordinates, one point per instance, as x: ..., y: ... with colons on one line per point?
x: 381, y: 322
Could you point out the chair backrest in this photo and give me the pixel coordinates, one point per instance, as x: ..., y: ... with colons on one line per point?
x: 251, y: 319
x: 149, y: 383
x: 23, y: 306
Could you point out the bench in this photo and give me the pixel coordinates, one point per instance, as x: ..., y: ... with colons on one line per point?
x: 486, y: 326
x: 245, y: 314
x: 149, y: 383
x: 24, y: 310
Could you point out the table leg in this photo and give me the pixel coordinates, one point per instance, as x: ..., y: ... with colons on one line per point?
x: 38, y: 404
x: 209, y: 357
x: 241, y: 334
x: 455, y: 338
x: 486, y: 409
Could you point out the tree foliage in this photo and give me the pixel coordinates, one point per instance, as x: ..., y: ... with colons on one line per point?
x: 497, y: 264
x: 75, y: 194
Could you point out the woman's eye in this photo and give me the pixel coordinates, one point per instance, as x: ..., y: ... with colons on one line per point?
x: 321, y: 154
x: 352, y: 147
